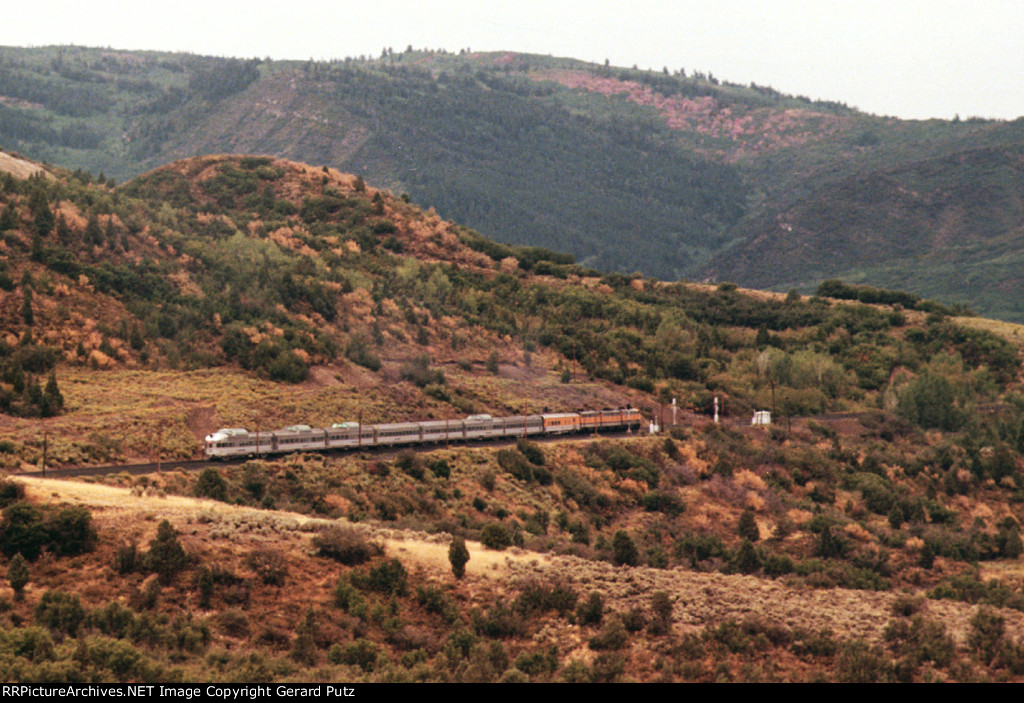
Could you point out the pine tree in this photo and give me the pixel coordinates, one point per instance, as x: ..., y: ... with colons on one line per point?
x: 624, y: 550
x: 8, y: 220
x: 829, y: 546
x: 166, y: 556
x: 63, y: 231
x: 661, y: 607
x: 896, y: 516
x: 34, y: 393
x: 135, y: 338
x: 53, y: 401
x: 590, y: 611
x: 93, y: 234
x: 26, y: 307
x: 1010, y: 543
x: 15, y: 375
x: 42, y: 216
x: 927, y: 557
x: 17, y: 574
x: 304, y: 645
x: 747, y: 528
x: 111, y: 233
x: 38, y: 251
x: 211, y: 485
x: 458, y: 555
x: 747, y: 560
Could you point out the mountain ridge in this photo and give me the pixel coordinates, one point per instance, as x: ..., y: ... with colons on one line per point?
x: 663, y: 173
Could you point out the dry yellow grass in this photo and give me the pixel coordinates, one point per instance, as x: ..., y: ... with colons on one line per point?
x: 140, y: 412
x: 19, y: 168
x: 1009, y: 331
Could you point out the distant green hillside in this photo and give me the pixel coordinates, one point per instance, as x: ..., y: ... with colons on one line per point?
x: 948, y: 227
x: 673, y: 175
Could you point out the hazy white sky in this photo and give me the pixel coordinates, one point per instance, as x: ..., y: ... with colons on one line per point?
x: 908, y: 58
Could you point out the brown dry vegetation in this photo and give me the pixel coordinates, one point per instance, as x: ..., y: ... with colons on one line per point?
x: 17, y: 166
x: 746, y: 131
x: 223, y: 535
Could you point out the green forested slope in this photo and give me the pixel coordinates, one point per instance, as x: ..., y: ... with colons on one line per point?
x: 671, y: 174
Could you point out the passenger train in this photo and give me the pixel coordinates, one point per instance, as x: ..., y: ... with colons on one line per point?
x: 232, y: 442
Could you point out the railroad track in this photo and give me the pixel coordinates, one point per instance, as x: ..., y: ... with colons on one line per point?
x: 134, y: 469
x: 383, y: 452
x: 198, y: 464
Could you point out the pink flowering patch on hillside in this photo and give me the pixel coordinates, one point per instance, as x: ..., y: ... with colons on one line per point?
x: 751, y: 130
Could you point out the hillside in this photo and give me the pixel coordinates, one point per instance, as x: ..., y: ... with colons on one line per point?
x: 878, y: 518
x: 952, y: 222
x: 721, y: 627
x: 670, y: 173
